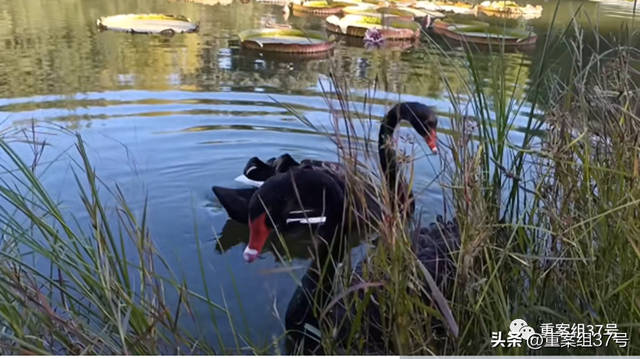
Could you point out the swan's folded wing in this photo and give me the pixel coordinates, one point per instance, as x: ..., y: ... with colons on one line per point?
x: 235, y: 201
x: 256, y: 170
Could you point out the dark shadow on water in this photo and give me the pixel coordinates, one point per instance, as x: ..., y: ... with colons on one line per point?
x: 494, y: 48
x: 285, y: 57
x: 297, y: 238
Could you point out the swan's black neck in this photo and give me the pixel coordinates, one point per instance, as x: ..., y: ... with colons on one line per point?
x: 322, y: 271
x: 313, y: 296
x: 328, y: 252
x: 386, y: 152
x: 315, y: 290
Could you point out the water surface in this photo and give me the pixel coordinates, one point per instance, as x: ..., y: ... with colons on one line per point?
x: 167, y: 118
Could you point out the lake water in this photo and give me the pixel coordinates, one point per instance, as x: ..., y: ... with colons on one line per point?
x: 171, y: 117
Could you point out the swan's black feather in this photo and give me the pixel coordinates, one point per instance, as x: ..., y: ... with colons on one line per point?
x: 433, y: 246
x: 235, y: 201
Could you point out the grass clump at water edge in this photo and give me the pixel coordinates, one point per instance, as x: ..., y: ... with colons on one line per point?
x: 548, y: 226
x: 71, y: 287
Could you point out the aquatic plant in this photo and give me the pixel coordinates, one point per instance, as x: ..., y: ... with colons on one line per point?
x: 373, y: 38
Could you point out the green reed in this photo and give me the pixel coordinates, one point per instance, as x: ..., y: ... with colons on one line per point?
x: 549, y: 232
x: 568, y: 210
x: 549, y: 225
x: 68, y: 286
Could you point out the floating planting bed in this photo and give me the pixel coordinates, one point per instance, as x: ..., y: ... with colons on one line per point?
x: 322, y: 7
x: 490, y: 35
x: 378, y: 11
x: 446, y: 7
x: 509, y: 9
x: 419, y: 14
x: 286, y: 41
x: 147, y: 24
x: 389, y: 27
x: 441, y: 26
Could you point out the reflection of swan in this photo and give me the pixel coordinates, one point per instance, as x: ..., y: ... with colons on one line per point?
x: 297, y: 240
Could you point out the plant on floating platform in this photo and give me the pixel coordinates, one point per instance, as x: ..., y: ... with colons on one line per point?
x: 373, y: 38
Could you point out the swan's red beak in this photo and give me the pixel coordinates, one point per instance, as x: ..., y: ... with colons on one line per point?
x: 257, y: 238
x: 431, y: 140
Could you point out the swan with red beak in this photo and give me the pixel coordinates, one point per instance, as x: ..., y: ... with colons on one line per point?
x: 273, y: 202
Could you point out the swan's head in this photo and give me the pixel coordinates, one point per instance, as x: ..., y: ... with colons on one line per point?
x: 423, y: 119
x: 263, y: 213
x: 269, y: 209
x: 301, y: 189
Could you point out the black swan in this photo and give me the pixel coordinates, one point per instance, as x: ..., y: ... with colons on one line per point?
x: 236, y: 200
x: 269, y: 208
x: 421, y: 117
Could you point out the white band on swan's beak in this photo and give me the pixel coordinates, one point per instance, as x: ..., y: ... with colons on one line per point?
x: 250, y: 254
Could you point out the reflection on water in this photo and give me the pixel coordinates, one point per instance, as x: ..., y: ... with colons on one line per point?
x: 175, y: 116
x: 298, y: 240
